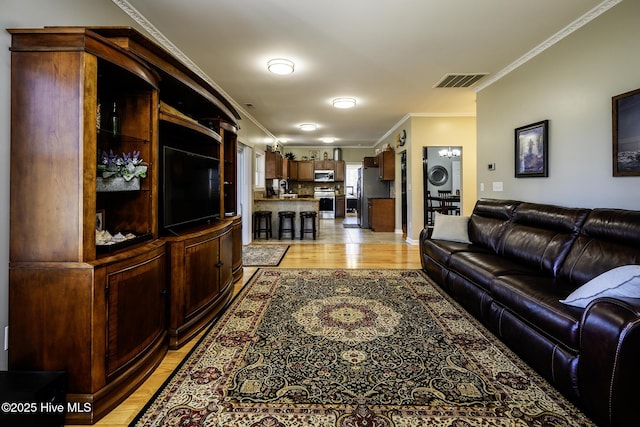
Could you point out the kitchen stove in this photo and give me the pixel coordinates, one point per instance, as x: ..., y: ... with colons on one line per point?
x: 327, y: 196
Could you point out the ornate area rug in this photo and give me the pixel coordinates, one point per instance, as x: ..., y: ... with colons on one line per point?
x: 263, y: 255
x: 352, y: 348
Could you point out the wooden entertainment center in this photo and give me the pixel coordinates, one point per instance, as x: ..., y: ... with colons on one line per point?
x: 106, y: 314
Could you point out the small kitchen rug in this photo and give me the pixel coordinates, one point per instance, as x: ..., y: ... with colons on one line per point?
x: 263, y: 255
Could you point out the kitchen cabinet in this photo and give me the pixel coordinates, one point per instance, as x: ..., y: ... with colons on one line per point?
x: 273, y: 165
x: 337, y: 166
x: 382, y: 214
x: 290, y: 169
x: 369, y: 162
x: 340, y: 206
x: 386, y: 162
x: 339, y: 170
x: 324, y: 164
x: 305, y: 170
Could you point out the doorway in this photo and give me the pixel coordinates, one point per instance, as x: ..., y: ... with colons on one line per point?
x: 403, y: 191
x: 442, y: 172
x: 351, y: 197
x: 244, y: 179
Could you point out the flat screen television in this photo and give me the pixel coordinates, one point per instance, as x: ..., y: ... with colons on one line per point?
x: 190, y: 188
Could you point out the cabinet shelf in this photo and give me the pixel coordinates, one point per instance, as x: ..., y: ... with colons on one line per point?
x: 107, y: 137
x: 171, y: 115
x: 110, y: 249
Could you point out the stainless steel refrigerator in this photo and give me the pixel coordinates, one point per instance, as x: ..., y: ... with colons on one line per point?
x: 369, y: 186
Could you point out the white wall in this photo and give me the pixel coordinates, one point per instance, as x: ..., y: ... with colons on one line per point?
x: 571, y: 85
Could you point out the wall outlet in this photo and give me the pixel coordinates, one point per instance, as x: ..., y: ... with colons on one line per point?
x: 482, y: 186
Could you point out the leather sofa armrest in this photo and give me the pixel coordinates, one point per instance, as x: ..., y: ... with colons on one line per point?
x: 608, y: 369
x: 426, y: 233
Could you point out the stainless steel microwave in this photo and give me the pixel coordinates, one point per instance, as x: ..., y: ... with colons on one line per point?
x: 323, y: 176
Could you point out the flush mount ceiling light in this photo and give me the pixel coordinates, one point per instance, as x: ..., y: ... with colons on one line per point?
x: 344, y: 102
x: 308, y: 127
x: 328, y: 140
x: 280, y: 66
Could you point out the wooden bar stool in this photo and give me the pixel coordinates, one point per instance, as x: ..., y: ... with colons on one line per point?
x: 306, y: 215
x: 283, y: 217
x: 259, y: 227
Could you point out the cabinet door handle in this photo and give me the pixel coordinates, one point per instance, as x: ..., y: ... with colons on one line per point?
x: 219, y: 264
x: 163, y: 292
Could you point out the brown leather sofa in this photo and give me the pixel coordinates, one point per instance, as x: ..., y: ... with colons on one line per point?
x: 522, y: 260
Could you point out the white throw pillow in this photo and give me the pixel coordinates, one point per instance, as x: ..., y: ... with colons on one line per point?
x: 451, y: 227
x: 619, y: 282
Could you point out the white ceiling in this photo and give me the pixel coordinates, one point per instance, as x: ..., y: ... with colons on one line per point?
x: 388, y: 54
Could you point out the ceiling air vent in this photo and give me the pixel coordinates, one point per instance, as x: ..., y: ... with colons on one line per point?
x: 460, y: 80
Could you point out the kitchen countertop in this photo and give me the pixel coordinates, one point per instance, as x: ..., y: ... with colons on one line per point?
x: 285, y: 199
x: 296, y: 205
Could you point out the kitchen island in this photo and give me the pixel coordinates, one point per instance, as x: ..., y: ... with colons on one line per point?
x: 294, y: 204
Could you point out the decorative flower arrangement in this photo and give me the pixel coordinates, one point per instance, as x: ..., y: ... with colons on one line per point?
x: 127, y: 166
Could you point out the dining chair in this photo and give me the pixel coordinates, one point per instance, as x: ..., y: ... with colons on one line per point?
x: 449, y: 205
x: 431, y: 209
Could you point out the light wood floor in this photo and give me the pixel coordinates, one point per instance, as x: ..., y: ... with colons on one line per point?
x: 386, y: 250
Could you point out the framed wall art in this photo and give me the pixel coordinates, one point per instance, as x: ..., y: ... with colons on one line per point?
x: 626, y: 134
x: 532, y: 150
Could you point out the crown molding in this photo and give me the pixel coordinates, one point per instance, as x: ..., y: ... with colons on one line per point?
x: 566, y: 31
x: 442, y: 114
x: 163, y: 41
x: 393, y: 128
x: 411, y: 115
